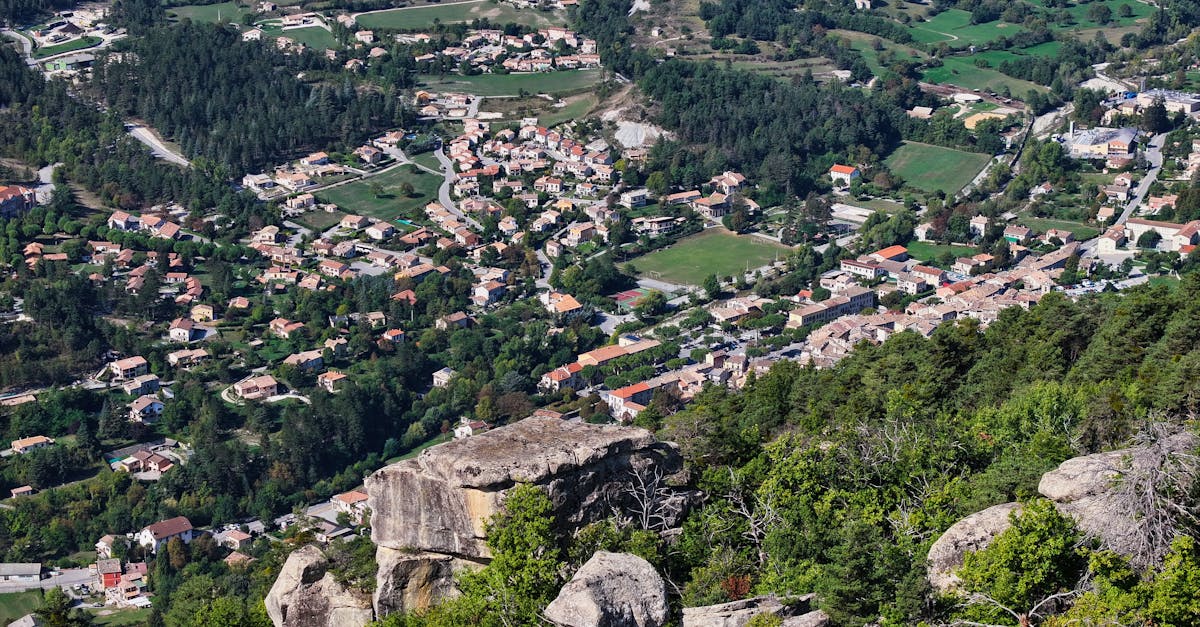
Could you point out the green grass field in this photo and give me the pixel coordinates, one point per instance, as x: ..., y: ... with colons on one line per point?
x: 865, y: 45
x: 311, y: 36
x: 513, y: 84
x: 79, y: 44
x: 225, y: 12
x: 961, y: 71
x: 928, y: 252
x: 1079, y: 14
x: 932, y: 168
x: 17, y: 604
x: 955, y: 28
x: 425, y: 17
x: 715, y: 251
x: 576, y: 107
x: 1079, y: 229
x: 122, y: 618
x: 357, y: 197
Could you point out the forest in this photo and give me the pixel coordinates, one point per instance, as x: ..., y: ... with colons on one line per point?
x: 239, y: 104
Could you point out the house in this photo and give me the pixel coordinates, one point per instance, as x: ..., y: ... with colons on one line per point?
x: 380, y: 231
x: 284, y: 328
x: 24, y: 490
x: 353, y: 222
x: 203, y: 313
x: 564, y: 307
x: 352, y: 503
x: 142, y: 384
x: 332, y: 267
x: 866, y: 269
x: 301, y: 201
x: 728, y: 182
x: 468, y: 428
x: 104, y: 546
x: 395, y: 336
x: 32, y: 443
x: 843, y: 174
x: 108, y: 573
x: 562, y: 377
x: 129, y: 367
x: 255, y: 388
x: 20, y: 573
x: 121, y: 221
x: 157, y: 535
x: 580, y: 233
x: 369, y: 154
x: 186, y: 357
x: 336, y: 346
x: 442, y: 377
x: 714, y: 206
x: 145, y: 409
x: 16, y: 200
x: 331, y: 381
x: 146, y: 461
x: 184, y: 330
x: 306, y: 361
x: 910, y: 283
x: 236, y: 540
x: 625, y: 403
x: 891, y: 253
x: 487, y: 293
x: 316, y: 158
x: 931, y: 275
x: 634, y: 198
x: 1017, y: 234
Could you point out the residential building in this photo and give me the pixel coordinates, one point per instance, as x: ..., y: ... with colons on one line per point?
x: 353, y: 504
x: 32, y: 443
x: 843, y: 174
x: 16, y: 200
x: 155, y: 536
x: 306, y: 361
x: 255, y: 388
x: 184, y: 330
x: 20, y: 573
x: 145, y: 409
x: 634, y: 198
x: 129, y: 367
x: 441, y: 378
x: 331, y: 381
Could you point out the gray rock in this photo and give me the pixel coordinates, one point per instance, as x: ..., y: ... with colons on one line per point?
x: 612, y: 590
x: 1083, y: 488
x: 737, y: 613
x: 408, y: 581
x: 305, y: 595
x: 970, y: 534
x: 439, y: 501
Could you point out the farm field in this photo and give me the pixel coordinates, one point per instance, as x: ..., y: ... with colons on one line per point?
x: 17, y: 604
x: 864, y: 44
x: 225, y: 11
x: 715, y: 251
x: 513, y: 84
x: 933, y: 168
x: 423, y: 17
x: 961, y: 71
x: 928, y: 251
x: 955, y: 28
x: 358, y: 198
x: 311, y: 36
x: 86, y: 41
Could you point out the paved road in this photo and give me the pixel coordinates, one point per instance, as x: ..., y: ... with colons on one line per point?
x: 157, y: 147
x: 45, y: 188
x: 444, y: 191
x: 1155, y: 157
x: 26, y: 45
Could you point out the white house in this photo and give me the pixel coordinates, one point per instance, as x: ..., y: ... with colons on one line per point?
x: 157, y: 535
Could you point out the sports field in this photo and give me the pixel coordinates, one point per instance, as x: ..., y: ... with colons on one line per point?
x: 929, y: 252
x: 312, y: 36
x: 358, y: 198
x: 715, y: 251
x: 1080, y: 230
x: 955, y: 28
x: 932, y: 168
x: 224, y: 12
x: 86, y: 41
x: 513, y: 84
x: 425, y: 17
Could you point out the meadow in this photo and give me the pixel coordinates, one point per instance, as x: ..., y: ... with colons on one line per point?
x: 933, y: 168
x: 417, y: 18
x: 514, y: 84
x: 357, y: 197
x: 222, y: 12
x: 715, y: 251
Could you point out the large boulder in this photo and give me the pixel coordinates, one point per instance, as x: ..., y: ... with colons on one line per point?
x: 408, y: 581
x: 439, y: 501
x: 970, y: 534
x: 306, y: 595
x: 795, y: 612
x: 1088, y: 489
x: 612, y: 590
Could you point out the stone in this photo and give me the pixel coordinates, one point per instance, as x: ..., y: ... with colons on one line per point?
x: 611, y: 590
x: 408, y: 581
x: 794, y: 612
x: 970, y: 534
x: 305, y: 594
x: 439, y: 501
x: 1082, y: 488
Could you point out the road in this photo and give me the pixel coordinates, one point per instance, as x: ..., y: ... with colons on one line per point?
x: 26, y: 45
x: 45, y: 188
x: 1155, y: 158
x: 444, y: 190
x: 147, y: 136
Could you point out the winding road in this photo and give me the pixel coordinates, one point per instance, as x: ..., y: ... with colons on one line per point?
x: 147, y: 136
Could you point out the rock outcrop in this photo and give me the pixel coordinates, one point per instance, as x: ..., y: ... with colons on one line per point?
x: 306, y: 595
x: 796, y: 612
x: 969, y: 534
x: 612, y: 590
x: 436, y: 504
x: 1084, y: 488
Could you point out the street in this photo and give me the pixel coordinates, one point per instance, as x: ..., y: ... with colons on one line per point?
x: 67, y: 578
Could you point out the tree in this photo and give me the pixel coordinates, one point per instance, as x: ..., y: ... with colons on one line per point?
x: 376, y: 189
x: 56, y: 611
x: 651, y: 306
x: 1149, y: 239
x: 406, y: 189
x: 1155, y: 119
x: 711, y: 286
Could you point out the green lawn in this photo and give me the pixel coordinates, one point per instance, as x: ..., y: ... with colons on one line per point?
x: 1079, y: 14
x: 865, y: 45
x: 312, y: 36
x: 932, y: 168
x: 513, y: 84
x: 357, y: 197
x: 17, y: 604
x: 123, y: 618
x: 715, y: 251
x: 319, y: 220
x: 927, y: 251
x: 955, y: 28
x: 576, y: 107
x: 425, y: 17
x: 225, y: 12
x: 963, y: 72
x: 1079, y: 229
x: 427, y: 159
x: 78, y: 44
